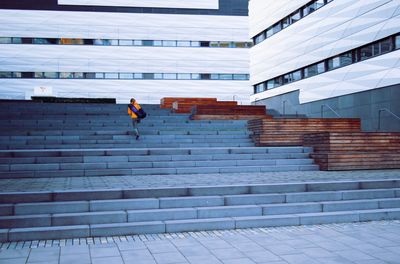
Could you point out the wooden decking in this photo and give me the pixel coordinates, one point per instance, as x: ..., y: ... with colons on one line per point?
x: 290, y: 131
x: 351, y: 151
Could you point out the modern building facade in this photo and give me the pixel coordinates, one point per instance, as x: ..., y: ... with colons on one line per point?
x: 125, y: 48
x: 328, y: 57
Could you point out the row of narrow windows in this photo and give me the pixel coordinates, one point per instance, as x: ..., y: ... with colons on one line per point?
x: 124, y: 76
x: 125, y: 42
x: 290, y: 19
x: 376, y: 48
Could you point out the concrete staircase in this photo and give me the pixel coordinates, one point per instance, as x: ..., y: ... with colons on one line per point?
x: 64, y: 140
x: 74, y: 213
x: 76, y: 140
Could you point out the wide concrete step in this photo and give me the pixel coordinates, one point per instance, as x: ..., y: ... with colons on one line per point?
x: 150, y: 158
x: 258, y: 208
x: 125, y: 131
x: 186, y: 225
x: 151, y: 151
x: 97, y: 164
x: 294, y: 192
x: 277, y: 203
x: 226, y: 167
x: 126, y: 144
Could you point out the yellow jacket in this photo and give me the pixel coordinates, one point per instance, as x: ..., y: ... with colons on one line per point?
x: 131, y: 113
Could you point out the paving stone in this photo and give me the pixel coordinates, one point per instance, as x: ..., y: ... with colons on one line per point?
x: 161, y: 214
x: 266, y: 221
x: 277, y: 209
x: 16, y: 221
x: 218, y: 190
x: 325, y: 218
x: 124, y: 204
x: 254, y: 199
x: 51, y: 207
x: 77, y: 195
x: 201, y: 201
x: 155, y: 192
x: 127, y: 228
x: 199, y: 224
x: 87, y: 218
x: 43, y: 233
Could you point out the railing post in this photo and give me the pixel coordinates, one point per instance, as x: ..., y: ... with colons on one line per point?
x: 284, y: 107
x: 379, y: 119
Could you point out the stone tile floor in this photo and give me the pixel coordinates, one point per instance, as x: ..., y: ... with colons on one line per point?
x: 359, y: 243
x: 114, y: 182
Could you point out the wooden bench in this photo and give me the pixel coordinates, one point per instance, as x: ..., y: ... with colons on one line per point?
x: 220, y: 112
x: 167, y: 102
x: 290, y: 131
x: 351, y: 151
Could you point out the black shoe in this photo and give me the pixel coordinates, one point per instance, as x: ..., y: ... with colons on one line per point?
x: 137, y: 137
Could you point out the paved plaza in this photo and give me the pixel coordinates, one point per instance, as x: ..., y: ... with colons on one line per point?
x: 363, y: 243
x: 154, y: 181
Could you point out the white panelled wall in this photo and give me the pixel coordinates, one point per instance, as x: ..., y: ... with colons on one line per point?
x: 121, y: 59
x: 338, y: 27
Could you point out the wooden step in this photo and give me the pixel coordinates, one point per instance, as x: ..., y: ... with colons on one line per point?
x: 167, y: 102
x: 223, y: 112
x: 290, y: 131
x: 350, y: 151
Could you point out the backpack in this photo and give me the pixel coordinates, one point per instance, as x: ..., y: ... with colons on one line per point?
x: 140, y: 113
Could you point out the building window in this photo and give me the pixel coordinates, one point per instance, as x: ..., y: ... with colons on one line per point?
x: 126, y: 76
x: 259, y: 38
x: 260, y: 88
x: 90, y: 75
x: 147, y: 43
x: 314, y: 69
x: 169, y: 43
x: 16, y: 40
x: 183, y: 76
x: 225, y: 76
x: 148, y: 76
x: 5, y: 41
x: 5, y: 74
x: 125, y: 42
x: 111, y: 75
x: 276, y: 28
x: 99, y: 75
x: 181, y: 43
x: 78, y: 75
x: 270, y: 84
x: 66, y: 75
x: 397, y: 41
x: 204, y: 43
x: 366, y: 52
x: 205, y: 76
x: 170, y: 76
x: 240, y: 77
x: 138, y: 75
x: 340, y: 61
x: 386, y: 46
x: 138, y: 42
x: 295, y: 17
x: 291, y: 77
x: 195, y: 76
x: 157, y: 43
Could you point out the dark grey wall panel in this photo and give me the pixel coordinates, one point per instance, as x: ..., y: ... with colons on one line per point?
x: 226, y: 8
x: 364, y: 105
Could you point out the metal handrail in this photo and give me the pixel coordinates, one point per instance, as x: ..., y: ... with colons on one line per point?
x: 330, y: 108
x: 385, y: 110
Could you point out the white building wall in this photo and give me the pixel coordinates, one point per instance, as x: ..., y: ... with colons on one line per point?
x: 139, y: 59
x: 333, y: 29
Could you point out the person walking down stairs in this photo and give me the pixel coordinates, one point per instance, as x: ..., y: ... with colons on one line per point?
x: 136, y: 112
